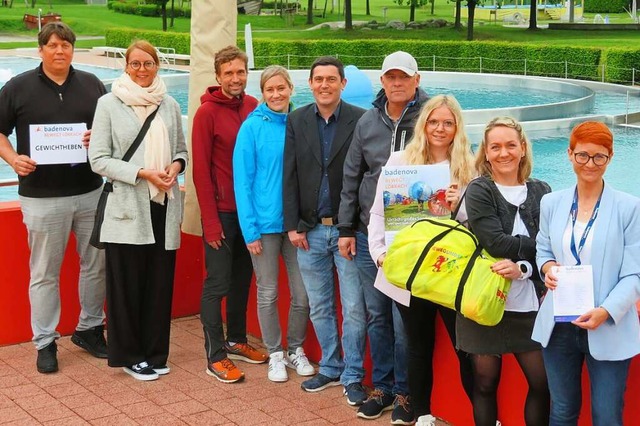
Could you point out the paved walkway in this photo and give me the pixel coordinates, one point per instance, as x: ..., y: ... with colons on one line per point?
x: 87, y: 392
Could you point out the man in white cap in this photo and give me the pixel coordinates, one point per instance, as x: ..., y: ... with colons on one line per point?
x: 385, y: 128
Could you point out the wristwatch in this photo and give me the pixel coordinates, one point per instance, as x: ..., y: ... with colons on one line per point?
x: 524, y: 269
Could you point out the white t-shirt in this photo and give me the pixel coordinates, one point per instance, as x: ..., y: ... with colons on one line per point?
x: 578, y: 230
x: 522, y: 296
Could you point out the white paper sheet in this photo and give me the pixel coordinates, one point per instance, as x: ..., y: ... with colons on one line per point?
x: 574, y: 294
x: 57, y: 143
x: 398, y: 294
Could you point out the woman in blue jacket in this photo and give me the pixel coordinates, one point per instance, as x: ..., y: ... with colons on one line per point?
x: 590, y: 224
x: 257, y: 165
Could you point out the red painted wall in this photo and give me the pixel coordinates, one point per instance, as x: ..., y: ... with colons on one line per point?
x: 449, y: 401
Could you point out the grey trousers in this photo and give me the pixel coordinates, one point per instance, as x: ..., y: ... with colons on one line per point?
x: 267, y: 269
x: 49, y: 222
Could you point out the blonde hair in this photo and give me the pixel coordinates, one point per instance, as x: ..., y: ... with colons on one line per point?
x: 459, y: 151
x: 483, y: 166
x: 272, y: 71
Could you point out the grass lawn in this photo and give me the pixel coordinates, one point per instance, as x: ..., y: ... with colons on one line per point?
x: 94, y: 20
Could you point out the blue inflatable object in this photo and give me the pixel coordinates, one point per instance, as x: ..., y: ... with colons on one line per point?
x: 359, y: 89
x: 420, y: 191
x: 386, y: 198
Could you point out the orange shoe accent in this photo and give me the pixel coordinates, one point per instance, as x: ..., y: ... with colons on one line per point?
x: 245, y: 352
x: 225, y: 371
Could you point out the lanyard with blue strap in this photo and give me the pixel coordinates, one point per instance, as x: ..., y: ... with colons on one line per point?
x: 585, y: 234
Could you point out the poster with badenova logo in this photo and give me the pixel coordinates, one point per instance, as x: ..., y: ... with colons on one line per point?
x: 57, y: 143
x: 411, y: 193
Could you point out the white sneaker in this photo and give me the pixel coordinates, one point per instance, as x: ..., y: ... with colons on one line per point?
x: 301, y: 363
x: 277, y: 370
x: 426, y: 420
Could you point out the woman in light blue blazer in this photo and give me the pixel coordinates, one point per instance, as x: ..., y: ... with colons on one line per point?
x: 590, y: 224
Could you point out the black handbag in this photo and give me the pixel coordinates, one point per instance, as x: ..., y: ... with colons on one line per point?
x: 108, y: 186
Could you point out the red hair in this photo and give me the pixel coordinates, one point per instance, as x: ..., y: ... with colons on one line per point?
x: 592, y: 132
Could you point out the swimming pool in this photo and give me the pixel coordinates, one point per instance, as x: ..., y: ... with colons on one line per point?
x: 550, y: 160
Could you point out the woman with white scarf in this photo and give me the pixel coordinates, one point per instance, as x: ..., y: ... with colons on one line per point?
x: 141, y: 228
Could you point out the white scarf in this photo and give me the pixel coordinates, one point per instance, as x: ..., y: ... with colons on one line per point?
x: 143, y: 101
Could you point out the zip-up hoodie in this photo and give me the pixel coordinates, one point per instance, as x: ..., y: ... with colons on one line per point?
x: 215, y: 128
x: 374, y: 139
x: 258, y: 163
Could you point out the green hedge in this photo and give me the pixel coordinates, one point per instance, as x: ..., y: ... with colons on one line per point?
x: 620, y: 64
x: 181, y: 42
x: 496, y: 57
x: 152, y: 9
x: 605, y: 6
x: 501, y: 58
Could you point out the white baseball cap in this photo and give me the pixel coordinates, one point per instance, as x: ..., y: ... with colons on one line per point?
x: 400, y: 61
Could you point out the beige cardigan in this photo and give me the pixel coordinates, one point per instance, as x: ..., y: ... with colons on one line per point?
x: 127, y: 217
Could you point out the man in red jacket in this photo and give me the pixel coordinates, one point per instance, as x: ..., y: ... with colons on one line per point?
x: 215, y: 127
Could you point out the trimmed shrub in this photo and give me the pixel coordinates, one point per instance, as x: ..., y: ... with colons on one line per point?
x: 488, y: 57
x: 181, y: 42
x: 605, y: 6
x: 620, y: 64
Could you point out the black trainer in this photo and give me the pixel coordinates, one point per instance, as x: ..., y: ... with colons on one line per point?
x: 402, y: 413
x: 356, y: 395
x: 92, y: 341
x: 377, y: 403
x: 47, y: 359
x: 142, y: 371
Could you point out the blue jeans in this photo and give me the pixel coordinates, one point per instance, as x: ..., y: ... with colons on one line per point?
x: 563, y: 358
x: 384, y: 326
x: 316, y: 267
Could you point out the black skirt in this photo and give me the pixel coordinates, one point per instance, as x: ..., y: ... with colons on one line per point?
x: 511, y: 335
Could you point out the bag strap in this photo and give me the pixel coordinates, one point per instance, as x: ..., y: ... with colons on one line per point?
x: 465, y: 277
x: 427, y: 247
x: 141, y: 134
x: 455, y: 212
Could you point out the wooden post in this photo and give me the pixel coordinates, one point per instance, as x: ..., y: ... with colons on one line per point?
x: 214, y: 25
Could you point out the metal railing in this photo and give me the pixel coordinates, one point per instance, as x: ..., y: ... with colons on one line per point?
x: 8, y: 182
x: 477, y: 64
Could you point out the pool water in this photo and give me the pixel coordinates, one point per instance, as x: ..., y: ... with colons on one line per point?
x: 469, y: 96
x: 551, y: 162
x: 12, y: 66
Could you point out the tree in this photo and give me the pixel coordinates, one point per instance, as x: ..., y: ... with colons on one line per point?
x: 533, y: 15
x: 173, y: 12
x: 310, y: 12
x: 163, y: 8
x: 471, y: 9
x: 458, y: 23
x: 412, y: 5
x: 348, y: 19
x: 368, y: 10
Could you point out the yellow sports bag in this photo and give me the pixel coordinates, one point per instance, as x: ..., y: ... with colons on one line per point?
x: 440, y: 260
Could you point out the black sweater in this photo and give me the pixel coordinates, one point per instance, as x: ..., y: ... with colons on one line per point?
x: 491, y: 218
x: 32, y: 98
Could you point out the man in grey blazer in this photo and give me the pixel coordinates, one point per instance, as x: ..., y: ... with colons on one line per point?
x: 317, y: 140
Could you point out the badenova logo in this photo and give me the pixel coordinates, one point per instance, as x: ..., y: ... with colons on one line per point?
x: 398, y: 172
x: 38, y: 129
x: 56, y: 128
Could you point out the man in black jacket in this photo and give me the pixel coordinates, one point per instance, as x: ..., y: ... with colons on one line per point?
x: 318, y: 137
x: 56, y: 198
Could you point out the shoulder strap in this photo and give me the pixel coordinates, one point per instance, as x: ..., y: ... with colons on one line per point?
x: 143, y: 131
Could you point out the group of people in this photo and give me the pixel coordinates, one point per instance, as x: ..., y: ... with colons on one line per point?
x: 302, y: 183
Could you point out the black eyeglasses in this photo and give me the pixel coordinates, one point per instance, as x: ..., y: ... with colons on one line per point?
x: 598, y: 159
x: 147, y: 65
